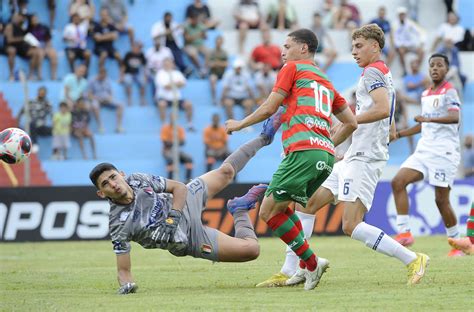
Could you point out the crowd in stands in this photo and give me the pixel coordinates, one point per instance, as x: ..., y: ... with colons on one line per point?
x: 179, y: 51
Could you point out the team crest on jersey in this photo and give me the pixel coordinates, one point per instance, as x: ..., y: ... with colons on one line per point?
x: 148, y: 190
x: 206, y: 249
x: 309, y: 122
x: 436, y: 103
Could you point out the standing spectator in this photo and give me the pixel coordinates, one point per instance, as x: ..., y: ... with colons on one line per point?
x: 40, y: 113
x: 194, y: 43
x: 15, y: 44
x: 468, y: 156
x: 52, y: 12
x: 75, y: 85
x: 407, y: 38
x: 84, y: 8
x: 454, y: 74
x: 264, y: 80
x: 237, y: 90
x: 75, y: 35
x: 203, y: 13
x: 266, y: 53
x: 247, y: 16
x: 323, y: 37
x: 347, y: 16
x: 104, y: 36
x: 169, y: 81
x: 134, y: 70
x: 155, y: 56
x: 384, y: 24
x: 43, y: 34
x: 100, y: 94
x: 450, y: 31
x: 2, y: 38
x: 328, y: 12
x: 118, y: 14
x: 282, y: 15
x: 167, y: 139
x: 61, y: 131
x: 218, y: 61
x: 416, y: 82
x: 215, y: 139
x: 80, y: 126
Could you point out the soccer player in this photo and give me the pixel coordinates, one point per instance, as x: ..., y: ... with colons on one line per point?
x: 161, y: 213
x: 308, y: 99
x: 466, y: 244
x: 437, y: 153
x: 353, y: 179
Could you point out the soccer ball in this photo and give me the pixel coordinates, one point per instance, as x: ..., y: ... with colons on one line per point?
x: 15, y: 145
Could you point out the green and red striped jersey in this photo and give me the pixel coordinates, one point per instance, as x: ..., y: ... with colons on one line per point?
x: 310, y: 101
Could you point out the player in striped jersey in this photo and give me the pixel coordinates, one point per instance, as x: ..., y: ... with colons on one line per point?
x: 308, y: 99
x: 437, y: 153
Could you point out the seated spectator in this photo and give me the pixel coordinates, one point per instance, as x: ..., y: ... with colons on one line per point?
x: 215, y: 139
x: 415, y: 82
x: 266, y: 53
x: 61, y: 131
x: 134, y: 70
x: 80, y: 126
x: 203, y: 13
x: 155, y: 57
x: 167, y: 139
x: 52, y: 12
x: 75, y: 85
x: 75, y: 36
x: 104, y: 34
x: 218, y: 61
x: 84, y: 8
x: 101, y: 95
x: 264, y: 80
x: 282, y: 15
x: 118, y: 14
x: 247, y: 16
x: 40, y: 113
x: 454, y: 74
x: 328, y: 12
x: 169, y: 81
x: 468, y: 156
x: 323, y: 37
x: 43, y: 34
x: 451, y: 30
x: 347, y: 16
x: 384, y: 24
x: 237, y: 90
x: 407, y: 38
x: 194, y: 44
x: 15, y: 44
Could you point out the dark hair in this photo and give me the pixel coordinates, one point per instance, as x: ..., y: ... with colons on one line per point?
x: 305, y: 36
x: 63, y: 104
x: 98, y: 170
x: 167, y: 14
x: 444, y: 57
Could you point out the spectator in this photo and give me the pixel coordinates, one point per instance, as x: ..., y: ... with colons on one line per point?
x: 218, y: 61
x: 40, y: 113
x: 384, y: 24
x: 194, y: 43
x: 155, y: 56
x: 237, y: 90
x: 84, y: 8
x: 169, y: 81
x: 347, y: 16
x: 328, y: 12
x: 407, y: 38
x: 80, y: 126
x: 416, y: 82
x: 215, y: 139
x: 266, y: 53
x: 101, y: 95
x: 450, y: 31
x: 412, y: 7
x: 264, y: 80
x: 468, y: 156
x: 323, y: 37
x: 61, y: 132
x: 204, y: 14
x: 75, y: 36
x: 75, y: 85
x: 134, y: 70
x: 167, y: 139
x: 52, y: 12
x: 43, y: 34
x: 2, y: 38
x: 454, y: 74
x: 247, y: 16
x: 401, y: 115
x: 282, y: 15
x: 16, y: 45
x: 118, y: 14
x: 104, y: 36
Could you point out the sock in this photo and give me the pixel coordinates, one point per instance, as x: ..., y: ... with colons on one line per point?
x: 286, y: 229
x: 470, y: 225
x: 189, y: 174
x: 307, y: 220
x: 453, y: 232
x: 402, y: 223
x: 242, y: 226
x: 376, y: 239
x: 291, y: 259
x: 239, y: 158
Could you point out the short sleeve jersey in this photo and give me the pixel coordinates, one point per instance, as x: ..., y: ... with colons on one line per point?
x: 370, y: 140
x: 308, y: 105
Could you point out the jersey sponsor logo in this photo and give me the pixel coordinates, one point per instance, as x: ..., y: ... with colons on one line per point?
x: 318, y: 141
x: 321, y: 165
x: 316, y: 123
x: 124, y: 216
x: 136, y: 215
x: 156, y: 213
x: 297, y: 198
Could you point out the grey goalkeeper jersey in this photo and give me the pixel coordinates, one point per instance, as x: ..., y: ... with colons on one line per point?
x: 136, y: 221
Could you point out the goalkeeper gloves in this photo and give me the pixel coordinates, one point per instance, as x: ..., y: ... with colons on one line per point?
x: 165, y: 231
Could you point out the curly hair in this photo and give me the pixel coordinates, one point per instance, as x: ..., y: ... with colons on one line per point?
x: 370, y: 31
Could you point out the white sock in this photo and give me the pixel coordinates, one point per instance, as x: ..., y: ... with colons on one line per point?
x: 291, y: 259
x: 453, y: 232
x: 402, y: 223
x: 376, y: 239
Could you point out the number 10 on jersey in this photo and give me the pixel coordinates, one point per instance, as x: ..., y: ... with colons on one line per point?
x: 320, y: 91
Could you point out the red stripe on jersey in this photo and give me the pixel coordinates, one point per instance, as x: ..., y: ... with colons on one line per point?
x: 305, y: 145
x: 380, y: 65
x: 302, y: 127
x: 442, y: 89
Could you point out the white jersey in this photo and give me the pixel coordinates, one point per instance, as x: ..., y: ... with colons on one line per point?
x: 370, y: 141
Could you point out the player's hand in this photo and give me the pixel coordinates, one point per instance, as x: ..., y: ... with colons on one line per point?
x: 127, y: 288
x: 420, y: 118
x: 232, y: 125
x: 165, y: 231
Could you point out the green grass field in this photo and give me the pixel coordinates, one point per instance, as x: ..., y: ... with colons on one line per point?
x: 68, y: 276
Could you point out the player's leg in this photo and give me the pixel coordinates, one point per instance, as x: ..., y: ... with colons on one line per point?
x: 466, y: 244
x: 448, y: 215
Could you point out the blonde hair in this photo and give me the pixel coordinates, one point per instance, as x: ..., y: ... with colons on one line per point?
x: 370, y: 31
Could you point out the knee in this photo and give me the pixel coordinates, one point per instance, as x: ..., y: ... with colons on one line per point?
x: 264, y: 214
x: 398, y: 184
x: 252, y: 250
x: 227, y: 171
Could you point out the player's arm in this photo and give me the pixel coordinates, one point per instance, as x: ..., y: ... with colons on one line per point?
x: 380, y: 110
x: 179, y: 191
x: 407, y: 132
x: 346, y: 127
x: 451, y: 118
x: 124, y: 275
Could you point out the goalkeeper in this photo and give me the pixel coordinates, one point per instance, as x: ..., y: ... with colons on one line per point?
x: 161, y: 213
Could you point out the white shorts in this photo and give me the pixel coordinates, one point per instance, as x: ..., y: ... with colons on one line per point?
x: 355, y: 179
x: 437, y: 169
